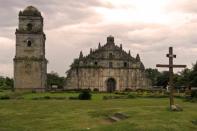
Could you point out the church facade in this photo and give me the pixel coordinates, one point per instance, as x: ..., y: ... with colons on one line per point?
x: 108, y: 68
x: 30, y: 64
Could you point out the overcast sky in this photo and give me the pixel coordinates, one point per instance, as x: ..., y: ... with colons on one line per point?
x: 147, y: 27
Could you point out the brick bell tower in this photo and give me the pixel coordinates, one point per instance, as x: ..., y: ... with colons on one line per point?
x: 30, y: 64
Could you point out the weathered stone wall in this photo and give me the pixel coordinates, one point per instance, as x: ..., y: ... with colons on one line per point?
x: 96, y: 78
x: 37, y: 45
x: 108, y: 61
x: 30, y: 74
x: 36, y: 21
x: 30, y: 65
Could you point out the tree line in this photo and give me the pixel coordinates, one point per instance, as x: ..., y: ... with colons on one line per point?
x: 184, y: 78
x: 52, y: 79
x: 6, y: 83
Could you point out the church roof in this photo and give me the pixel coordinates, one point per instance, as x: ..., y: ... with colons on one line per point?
x: 30, y: 11
x: 110, y: 46
x: 108, y: 52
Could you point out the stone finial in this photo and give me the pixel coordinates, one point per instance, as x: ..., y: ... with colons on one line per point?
x: 121, y: 46
x: 129, y: 53
x: 110, y: 39
x: 81, y: 54
x: 138, y: 57
x: 30, y: 11
x: 91, y: 50
x: 99, y: 46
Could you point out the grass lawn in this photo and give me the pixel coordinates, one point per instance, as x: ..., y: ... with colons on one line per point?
x: 148, y: 114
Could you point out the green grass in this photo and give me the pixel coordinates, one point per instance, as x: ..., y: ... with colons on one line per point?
x: 145, y: 114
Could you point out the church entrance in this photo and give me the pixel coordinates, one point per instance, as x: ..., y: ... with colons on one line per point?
x: 111, y: 85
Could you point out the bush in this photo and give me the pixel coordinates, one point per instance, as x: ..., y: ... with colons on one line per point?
x: 194, y: 122
x: 96, y: 90
x: 47, y: 97
x: 120, y: 93
x: 85, y: 95
x: 5, y: 97
x: 114, y: 97
x: 128, y: 89
x: 194, y: 94
x: 33, y: 91
x: 73, y: 98
x: 132, y: 95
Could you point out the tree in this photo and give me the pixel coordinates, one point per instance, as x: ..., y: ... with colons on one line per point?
x: 2, y: 82
x: 183, y: 78
x: 152, y: 74
x: 6, y: 83
x: 9, y: 82
x: 163, y: 78
x: 193, y: 75
x: 54, y: 79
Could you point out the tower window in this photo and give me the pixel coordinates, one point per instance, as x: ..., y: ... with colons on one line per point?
x: 110, y: 65
x: 96, y: 63
x: 110, y: 55
x: 29, y: 26
x: 29, y: 44
x: 125, y: 64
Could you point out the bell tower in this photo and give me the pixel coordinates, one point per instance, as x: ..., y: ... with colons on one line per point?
x: 30, y: 64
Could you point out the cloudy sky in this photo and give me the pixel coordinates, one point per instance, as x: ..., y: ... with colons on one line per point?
x: 147, y: 27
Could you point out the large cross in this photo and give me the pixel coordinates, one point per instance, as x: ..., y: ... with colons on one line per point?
x: 171, y: 66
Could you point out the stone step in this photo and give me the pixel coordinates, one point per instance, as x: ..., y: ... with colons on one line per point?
x: 114, y: 119
x: 121, y: 116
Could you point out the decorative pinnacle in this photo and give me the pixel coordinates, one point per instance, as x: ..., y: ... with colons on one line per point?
x: 110, y: 39
x: 99, y: 46
x: 91, y: 50
x: 121, y: 46
x: 81, y: 54
x: 138, y: 57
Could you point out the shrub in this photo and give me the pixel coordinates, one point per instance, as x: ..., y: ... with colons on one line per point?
x: 96, y: 90
x: 85, y: 95
x: 132, y: 95
x: 47, y: 97
x: 194, y: 122
x: 120, y: 93
x: 73, y: 98
x: 58, y: 98
x: 128, y: 89
x: 114, y: 97
x: 194, y: 94
x: 145, y: 93
x: 33, y: 91
x: 5, y: 97
x: 19, y: 98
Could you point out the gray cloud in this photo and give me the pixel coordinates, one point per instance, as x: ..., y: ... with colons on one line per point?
x: 185, y: 6
x: 72, y: 26
x: 61, y: 12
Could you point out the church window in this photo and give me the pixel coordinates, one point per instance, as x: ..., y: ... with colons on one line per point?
x: 96, y: 63
x: 29, y: 26
x: 29, y: 44
x: 81, y: 63
x: 110, y: 55
x: 125, y: 64
x: 110, y: 65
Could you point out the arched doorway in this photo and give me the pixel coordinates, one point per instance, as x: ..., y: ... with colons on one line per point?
x: 111, y: 85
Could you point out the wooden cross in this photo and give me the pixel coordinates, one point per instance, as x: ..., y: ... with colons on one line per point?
x: 171, y: 66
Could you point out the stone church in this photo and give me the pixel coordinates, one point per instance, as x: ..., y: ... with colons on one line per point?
x: 107, y: 68
x: 30, y: 64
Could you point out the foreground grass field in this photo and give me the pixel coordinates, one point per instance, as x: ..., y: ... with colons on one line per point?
x: 148, y: 114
